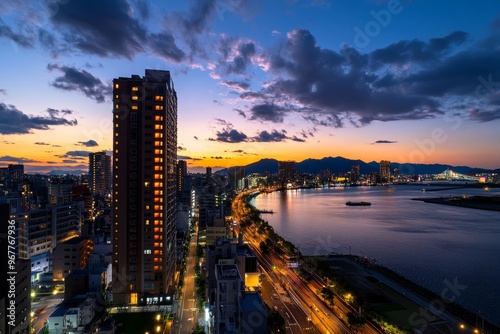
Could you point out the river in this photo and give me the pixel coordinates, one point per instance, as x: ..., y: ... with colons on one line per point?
x: 427, y: 243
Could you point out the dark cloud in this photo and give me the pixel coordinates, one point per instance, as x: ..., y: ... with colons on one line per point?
x: 230, y: 136
x: 273, y: 136
x: 78, y: 153
x: 21, y: 39
x: 19, y: 160
x: 235, y: 55
x: 14, y: 121
x: 180, y: 148
x: 295, y: 138
x: 3, y: 91
x: 106, y: 29
x: 384, y: 142
x: 416, y: 51
x: 74, y: 79
x: 482, y: 115
x: 267, y: 112
x: 240, y: 112
x: 41, y: 143
x: 69, y: 161
x: 110, y: 29
x: 407, y: 80
x: 217, y: 157
x: 164, y: 45
x: 90, y: 143
x: 195, y: 137
x: 238, y: 85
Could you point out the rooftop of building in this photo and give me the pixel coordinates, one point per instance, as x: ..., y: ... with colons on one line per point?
x: 227, y: 272
x: 244, y: 250
x: 74, y: 241
x: 251, y: 302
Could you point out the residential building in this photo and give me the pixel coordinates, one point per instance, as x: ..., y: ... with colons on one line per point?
x: 286, y: 172
x: 144, y: 187
x: 100, y: 173
x: 385, y: 171
x: 71, y: 255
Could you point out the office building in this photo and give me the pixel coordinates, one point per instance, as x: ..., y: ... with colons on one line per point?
x: 144, y: 188
x: 100, y: 173
x: 385, y: 171
x: 286, y: 172
x: 71, y: 255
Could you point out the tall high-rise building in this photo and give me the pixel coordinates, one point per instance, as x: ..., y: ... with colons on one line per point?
x: 100, y: 173
x: 144, y: 188
x: 385, y: 171
x: 286, y: 172
x: 181, y: 174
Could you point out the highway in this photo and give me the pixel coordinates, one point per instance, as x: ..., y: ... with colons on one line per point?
x: 188, y: 311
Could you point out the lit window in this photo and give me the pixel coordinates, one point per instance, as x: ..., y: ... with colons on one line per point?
x: 158, y: 215
x: 117, y: 86
x: 135, y: 97
x: 158, y: 135
x: 147, y: 207
x: 116, y: 134
x: 158, y: 143
x: 158, y: 192
x: 158, y: 207
x: 116, y: 106
x: 147, y: 251
x: 116, y: 116
x: 158, y: 98
x: 158, y: 118
x: 157, y: 107
x: 158, y: 127
x: 157, y: 222
x: 135, y: 89
x: 158, y: 184
x: 158, y: 160
x: 158, y: 167
x: 158, y: 200
x: 158, y: 176
x: 116, y: 151
x: 116, y: 96
x: 116, y: 125
x: 146, y: 184
x: 134, y: 107
x: 158, y: 151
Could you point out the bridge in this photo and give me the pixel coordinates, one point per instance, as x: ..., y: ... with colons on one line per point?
x: 450, y: 175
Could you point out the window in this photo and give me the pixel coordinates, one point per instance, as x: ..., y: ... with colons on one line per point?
x: 157, y: 107
x: 135, y: 89
x: 134, y: 107
x: 158, y: 118
x: 117, y: 86
x: 158, y: 135
x: 158, y: 127
x: 157, y: 152
x: 135, y: 97
x: 158, y: 98
x: 117, y: 106
x: 147, y: 251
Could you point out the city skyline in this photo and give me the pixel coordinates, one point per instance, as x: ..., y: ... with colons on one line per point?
x: 372, y: 80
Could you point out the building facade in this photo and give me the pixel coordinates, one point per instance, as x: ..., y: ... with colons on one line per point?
x: 385, y: 171
x: 100, y: 173
x: 144, y: 187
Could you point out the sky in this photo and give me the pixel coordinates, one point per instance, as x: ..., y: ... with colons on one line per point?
x: 402, y: 80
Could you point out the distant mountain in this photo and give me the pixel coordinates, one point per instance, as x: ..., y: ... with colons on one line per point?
x: 66, y: 172
x: 340, y: 164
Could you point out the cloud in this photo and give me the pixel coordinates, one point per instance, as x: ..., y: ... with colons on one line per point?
x: 164, y: 45
x: 74, y: 79
x: 236, y: 55
x: 3, y: 91
x: 11, y: 159
x: 69, y: 161
x: 41, y: 143
x: 75, y: 155
x: 195, y: 137
x: 20, y: 39
x: 238, y: 85
x: 406, y: 80
x: 384, y: 142
x: 230, y: 136
x: 14, y: 121
x: 90, y: 143
x: 180, y: 148
x: 273, y: 136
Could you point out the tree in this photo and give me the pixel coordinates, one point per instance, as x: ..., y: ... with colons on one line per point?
x: 328, y: 295
x: 276, y: 322
x: 355, y: 321
x: 264, y: 248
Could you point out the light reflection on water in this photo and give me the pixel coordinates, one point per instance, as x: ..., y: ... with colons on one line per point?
x: 428, y: 243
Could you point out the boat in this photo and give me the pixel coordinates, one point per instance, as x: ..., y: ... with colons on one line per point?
x: 358, y: 203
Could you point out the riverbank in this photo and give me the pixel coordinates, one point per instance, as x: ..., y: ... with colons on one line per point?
x: 474, y: 202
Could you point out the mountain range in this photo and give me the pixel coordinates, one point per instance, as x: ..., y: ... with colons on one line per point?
x: 341, y: 165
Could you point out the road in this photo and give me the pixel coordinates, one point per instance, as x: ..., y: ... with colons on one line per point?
x: 47, y: 304
x: 189, y: 313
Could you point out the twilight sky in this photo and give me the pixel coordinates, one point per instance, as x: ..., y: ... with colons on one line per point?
x: 406, y: 81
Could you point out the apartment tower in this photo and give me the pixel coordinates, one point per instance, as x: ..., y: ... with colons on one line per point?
x: 144, y: 188
x: 100, y: 173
